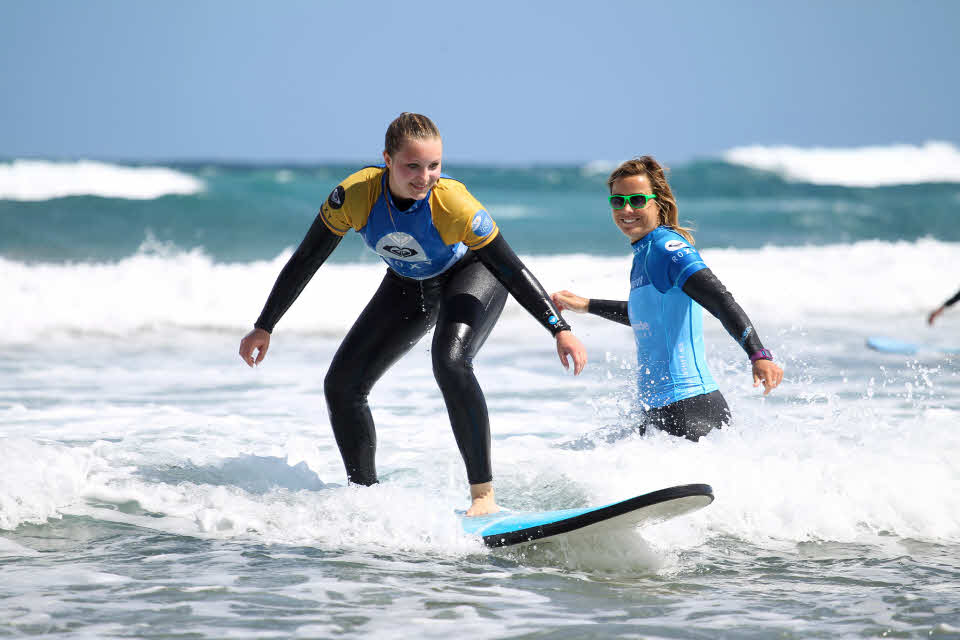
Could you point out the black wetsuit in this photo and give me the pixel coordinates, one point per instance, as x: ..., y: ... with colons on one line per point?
x: 952, y: 301
x: 695, y: 416
x: 464, y: 302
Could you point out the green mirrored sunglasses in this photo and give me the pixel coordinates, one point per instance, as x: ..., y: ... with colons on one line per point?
x: 636, y: 200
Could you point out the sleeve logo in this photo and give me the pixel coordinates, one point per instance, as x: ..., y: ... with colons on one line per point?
x: 673, y: 245
x: 336, y: 197
x: 482, y: 223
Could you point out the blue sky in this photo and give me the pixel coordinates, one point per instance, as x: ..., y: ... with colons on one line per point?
x: 507, y: 82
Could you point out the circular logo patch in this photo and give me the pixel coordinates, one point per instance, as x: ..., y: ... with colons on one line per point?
x: 336, y: 197
x: 482, y: 223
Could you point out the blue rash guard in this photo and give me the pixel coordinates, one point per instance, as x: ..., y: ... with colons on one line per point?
x: 667, y: 323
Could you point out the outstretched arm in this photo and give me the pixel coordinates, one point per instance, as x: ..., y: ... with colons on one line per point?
x: 315, y: 248
x: 936, y: 312
x: 506, y: 267
x: 615, y: 310
x: 707, y: 291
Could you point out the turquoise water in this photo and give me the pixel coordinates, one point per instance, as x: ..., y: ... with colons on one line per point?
x: 251, y: 213
x: 152, y: 486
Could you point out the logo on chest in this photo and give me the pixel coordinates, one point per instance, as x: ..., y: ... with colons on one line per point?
x: 642, y: 328
x: 401, y: 246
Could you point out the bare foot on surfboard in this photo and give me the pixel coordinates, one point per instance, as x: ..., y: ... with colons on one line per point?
x: 483, y: 501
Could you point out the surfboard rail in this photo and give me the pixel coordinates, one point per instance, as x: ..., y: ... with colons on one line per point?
x: 501, y: 530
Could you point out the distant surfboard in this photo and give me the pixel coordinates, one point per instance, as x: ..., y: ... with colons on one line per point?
x: 506, y: 528
x: 890, y: 345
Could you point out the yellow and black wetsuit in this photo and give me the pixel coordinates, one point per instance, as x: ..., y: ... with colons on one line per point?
x: 448, y: 266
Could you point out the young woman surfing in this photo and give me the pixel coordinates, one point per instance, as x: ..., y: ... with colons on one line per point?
x: 448, y: 266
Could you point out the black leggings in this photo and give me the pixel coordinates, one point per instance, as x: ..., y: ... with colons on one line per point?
x: 464, y: 303
x: 689, y: 418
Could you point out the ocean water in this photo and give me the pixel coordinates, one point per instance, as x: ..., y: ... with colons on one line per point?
x: 153, y: 486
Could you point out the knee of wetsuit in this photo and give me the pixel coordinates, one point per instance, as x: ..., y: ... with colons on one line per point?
x: 451, y: 364
x: 337, y: 388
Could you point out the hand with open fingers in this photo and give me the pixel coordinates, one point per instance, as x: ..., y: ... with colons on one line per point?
x: 768, y: 373
x: 566, y: 300
x: 257, y: 340
x: 569, y: 345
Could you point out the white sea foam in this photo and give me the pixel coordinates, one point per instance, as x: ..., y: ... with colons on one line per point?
x: 855, y: 167
x: 160, y: 290
x: 803, y: 472
x: 39, y: 479
x: 45, y: 180
x: 117, y: 392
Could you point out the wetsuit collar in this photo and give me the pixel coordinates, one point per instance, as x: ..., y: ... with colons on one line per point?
x: 640, y: 245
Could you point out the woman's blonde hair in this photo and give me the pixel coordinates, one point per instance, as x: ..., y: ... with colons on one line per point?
x: 666, y: 203
x: 406, y: 126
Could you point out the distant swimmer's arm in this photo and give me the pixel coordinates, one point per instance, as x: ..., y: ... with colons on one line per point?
x: 316, y: 247
x: 949, y: 303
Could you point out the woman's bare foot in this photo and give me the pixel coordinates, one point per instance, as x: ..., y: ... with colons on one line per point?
x: 483, y: 502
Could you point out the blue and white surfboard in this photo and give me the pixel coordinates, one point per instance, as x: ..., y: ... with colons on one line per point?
x: 506, y: 528
x: 892, y: 345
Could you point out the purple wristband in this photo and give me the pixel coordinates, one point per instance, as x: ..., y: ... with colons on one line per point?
x: 763, y: 354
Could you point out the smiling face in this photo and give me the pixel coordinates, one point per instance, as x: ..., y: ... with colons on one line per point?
x: 415, y: 167
x: 635, y: 223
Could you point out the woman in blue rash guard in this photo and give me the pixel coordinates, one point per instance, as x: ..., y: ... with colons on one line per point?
x: 448, y: 266
x: 669, y: 282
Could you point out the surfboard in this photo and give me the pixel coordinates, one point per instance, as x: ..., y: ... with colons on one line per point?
x: 506, y: 528
x: 891, y: 345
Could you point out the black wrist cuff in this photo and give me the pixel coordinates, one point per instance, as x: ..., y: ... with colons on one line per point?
x: 557, y: 324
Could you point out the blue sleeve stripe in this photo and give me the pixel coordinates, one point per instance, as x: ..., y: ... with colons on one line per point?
x: 490, y: 236
x: 333, y: 227
x: 746, y: 334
